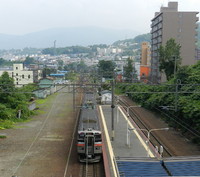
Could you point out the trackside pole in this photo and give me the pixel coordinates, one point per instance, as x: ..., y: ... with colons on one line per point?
x: 112, y: 113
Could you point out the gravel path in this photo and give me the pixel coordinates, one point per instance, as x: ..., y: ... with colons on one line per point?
x: 39, y: 148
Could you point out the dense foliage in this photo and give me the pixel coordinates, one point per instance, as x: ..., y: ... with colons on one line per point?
x: 67, y: 50
x: 181, y: 92
x: 13, y: 99
x: 138, y: 39
x: 169, y: 57
x: 29, y: 60
x: 129, y: 70
x: 47, y: 71
x: 131, y: 47
x: 5, y: 63
x: 106, y: 68
x: 25, y: 51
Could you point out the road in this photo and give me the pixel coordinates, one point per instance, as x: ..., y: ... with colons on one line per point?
x: 40, y: 147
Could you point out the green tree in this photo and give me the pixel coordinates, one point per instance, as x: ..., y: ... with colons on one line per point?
x: 29, y: 60
x: 106, y: 68
x: 7, y: 87
x: 129, y: 71
x: 82, y: 66
x: 71, y: 67
x: 60, y: 63
x: 47, y: 71
x: 169, y: 57
x: 2, y: 61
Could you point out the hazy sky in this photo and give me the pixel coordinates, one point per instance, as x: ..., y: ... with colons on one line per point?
x: 26, y: 16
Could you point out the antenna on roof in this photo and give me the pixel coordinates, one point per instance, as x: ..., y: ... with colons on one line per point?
x: 54, y: 48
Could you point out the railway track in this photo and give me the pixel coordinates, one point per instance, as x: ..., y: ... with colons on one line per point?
x: 91, y: 170
x: 154, y: 140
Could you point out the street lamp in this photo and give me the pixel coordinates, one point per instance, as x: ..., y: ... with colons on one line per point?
x: 127, y: 110
x: 128, y: 115
x: 148, y: 135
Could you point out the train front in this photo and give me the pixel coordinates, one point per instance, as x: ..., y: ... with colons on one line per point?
x: 89, y: 140
x: 89, y: 146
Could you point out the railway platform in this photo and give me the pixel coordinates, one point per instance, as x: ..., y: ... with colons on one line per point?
x: 126, y: 152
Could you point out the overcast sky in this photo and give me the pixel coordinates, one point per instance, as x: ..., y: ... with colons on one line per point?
x: 26, y: 16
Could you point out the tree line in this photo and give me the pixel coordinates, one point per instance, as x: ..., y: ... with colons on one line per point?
x: 72, y: 50
x: 13, y: 100
x: 179, y: 96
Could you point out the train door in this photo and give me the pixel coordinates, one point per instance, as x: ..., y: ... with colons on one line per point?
x: 89, y: 143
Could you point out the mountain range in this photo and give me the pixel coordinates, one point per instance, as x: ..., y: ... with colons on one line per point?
x: 64, y: 37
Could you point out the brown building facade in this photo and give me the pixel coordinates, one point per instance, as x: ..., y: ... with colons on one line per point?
x: 145, y: 61
x: 145, y: 53
x: 171, y: 23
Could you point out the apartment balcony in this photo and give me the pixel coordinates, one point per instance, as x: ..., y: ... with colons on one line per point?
x: 160, y: 25
x: 160, y: 18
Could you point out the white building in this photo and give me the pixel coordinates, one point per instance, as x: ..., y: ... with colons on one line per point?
x: 106, y: 97
x: 20, y: 75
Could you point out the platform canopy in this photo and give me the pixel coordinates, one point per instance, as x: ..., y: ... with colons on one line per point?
x: 178, y: 166
x: 143, y: 167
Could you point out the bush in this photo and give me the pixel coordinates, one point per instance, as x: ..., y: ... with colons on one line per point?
x: 5, y: 124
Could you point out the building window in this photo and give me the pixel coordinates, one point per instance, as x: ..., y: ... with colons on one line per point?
x: 22, y: 76
x: 29, y: 76
x: 17, y: 83
x: 16, y: 68
x: 16, y: 74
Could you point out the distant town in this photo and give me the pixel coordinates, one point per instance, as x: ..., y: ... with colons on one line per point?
x: 142, y: 50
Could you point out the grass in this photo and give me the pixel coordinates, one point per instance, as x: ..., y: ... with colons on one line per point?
x: 45, y: 100
x: 5, y: 124
x: 118, y: 91
x: 41, y: 101
x: 2, y: 136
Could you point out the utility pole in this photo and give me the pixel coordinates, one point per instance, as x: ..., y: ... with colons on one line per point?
x: 74, y: 97
x: 54, y: 48
x: 176, y: 94
x: 112, y: 111
x: 174, y: 66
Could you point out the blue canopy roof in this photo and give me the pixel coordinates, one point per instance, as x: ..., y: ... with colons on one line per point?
x: 129, y: 169
x: 175, y: 166
x: 57, y: 75
x: 184, y: 168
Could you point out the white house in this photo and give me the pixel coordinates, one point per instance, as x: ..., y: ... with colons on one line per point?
x: 106, y: 97
x: 20, y: 75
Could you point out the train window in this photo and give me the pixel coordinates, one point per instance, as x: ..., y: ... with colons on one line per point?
x: 97, y: 138
x: 89, y: 133
x: 90, y: 141
x: 81, y: 136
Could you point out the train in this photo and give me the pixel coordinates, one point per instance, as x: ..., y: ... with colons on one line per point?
x: 89, y: 140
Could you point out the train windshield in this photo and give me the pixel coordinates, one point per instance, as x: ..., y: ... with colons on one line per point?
x: 81, y: 136
x: 98, y: 137
x: 90, y: 141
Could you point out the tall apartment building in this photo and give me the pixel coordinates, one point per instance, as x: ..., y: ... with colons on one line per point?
x: 171, y: 23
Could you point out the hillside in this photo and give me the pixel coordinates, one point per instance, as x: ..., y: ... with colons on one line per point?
x: 64, y: 37
x: 138, y: 39
x: 131, y: 46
